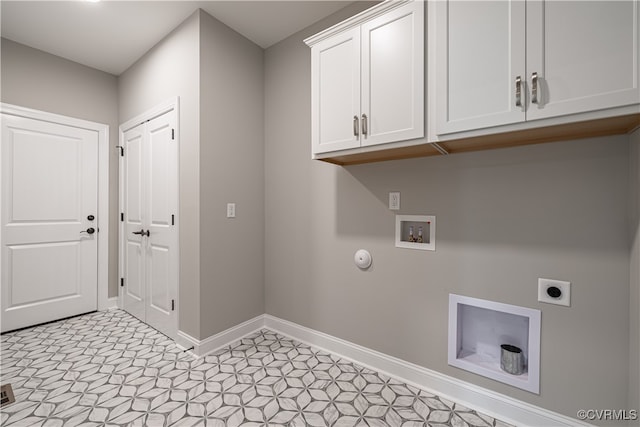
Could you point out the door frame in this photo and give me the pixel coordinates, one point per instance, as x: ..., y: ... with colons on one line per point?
x: 171, y: 104
x: 104, y: 302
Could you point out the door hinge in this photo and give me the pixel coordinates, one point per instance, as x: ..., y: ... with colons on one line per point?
x: 122, y: 282
x: 121, y: 148
x: 122, y: 216
x: 173, y: 220
x: 173, y: 305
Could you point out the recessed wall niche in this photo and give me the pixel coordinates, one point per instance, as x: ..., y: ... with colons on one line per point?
x: 416, y: 232
x: 477, y: 330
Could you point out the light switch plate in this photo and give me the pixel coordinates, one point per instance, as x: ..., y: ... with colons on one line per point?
x: 394, y: 200
x: 564, y: 288
x: 231, y: 210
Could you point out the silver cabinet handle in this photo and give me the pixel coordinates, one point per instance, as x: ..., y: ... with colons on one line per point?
x: 365, y: 125
x: 534, y: 88
x: 518, y: 91
x: 356, y: 126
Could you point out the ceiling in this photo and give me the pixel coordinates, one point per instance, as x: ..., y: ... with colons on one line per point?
x: 111, y: 35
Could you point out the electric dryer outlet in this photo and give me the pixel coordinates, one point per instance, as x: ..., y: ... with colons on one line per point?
x: 554, y: 292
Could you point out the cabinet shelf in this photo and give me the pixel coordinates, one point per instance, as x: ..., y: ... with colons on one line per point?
x: 488, y: 364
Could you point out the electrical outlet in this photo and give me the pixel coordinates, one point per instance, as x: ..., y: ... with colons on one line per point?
x: 231, y: 210
x: 554, y: 292
x: 394, y: 200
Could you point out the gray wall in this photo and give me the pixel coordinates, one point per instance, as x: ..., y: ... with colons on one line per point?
x: 504, y: 219
x: 634, y: 310
x: 170, y: 69
x: 35, y: 79
x: 218, y: 75
x: 231, y: 170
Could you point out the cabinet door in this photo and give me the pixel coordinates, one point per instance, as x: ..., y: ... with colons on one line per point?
x: 393, y: 76
x: 480, y: 52
x: 585, y: 54
x: 335, y: 93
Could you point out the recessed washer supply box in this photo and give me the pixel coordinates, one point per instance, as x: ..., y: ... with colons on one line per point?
x: 408, y: 229
x: 477, y: 329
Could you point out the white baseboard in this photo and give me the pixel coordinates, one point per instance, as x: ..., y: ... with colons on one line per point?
x: 488, y: 402
x: 186, y: 342
x: 221, y: 339
x: 109, y: 304
x: 483, y: 400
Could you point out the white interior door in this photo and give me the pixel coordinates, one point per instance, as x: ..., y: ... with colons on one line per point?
x: 161, y: 203
x: 149, y: 176
x: 132, y: 169
x: 49, y: 206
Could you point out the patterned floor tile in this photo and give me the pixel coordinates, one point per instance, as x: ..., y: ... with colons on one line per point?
x: 108, y: 368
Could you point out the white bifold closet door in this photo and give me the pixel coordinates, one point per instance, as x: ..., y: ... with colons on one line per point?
x: 149, y: 237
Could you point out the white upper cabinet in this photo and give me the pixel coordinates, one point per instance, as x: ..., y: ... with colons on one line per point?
x: 505, y: 62
x: 480, y: 54
x: 367, y: 77
x: 393, y: 75
x: 584, y: 55
x: 335, y: 91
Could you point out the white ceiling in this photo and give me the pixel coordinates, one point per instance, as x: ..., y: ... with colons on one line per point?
x: 112, y: 35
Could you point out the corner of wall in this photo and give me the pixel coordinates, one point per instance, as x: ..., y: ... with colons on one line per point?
x: 634, y: 273
x: 231, y: 150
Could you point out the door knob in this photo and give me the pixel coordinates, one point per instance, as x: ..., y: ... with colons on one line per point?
x: 142, y: 233
x: 89, y: 230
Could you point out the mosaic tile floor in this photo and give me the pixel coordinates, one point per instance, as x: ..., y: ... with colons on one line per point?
x: 108, y: 368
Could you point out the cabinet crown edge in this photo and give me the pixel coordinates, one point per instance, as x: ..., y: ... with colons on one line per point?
x: 356, y: 20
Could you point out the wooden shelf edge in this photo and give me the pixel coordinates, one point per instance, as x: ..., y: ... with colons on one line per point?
x: 619, y: 125
x: 384, y: 154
